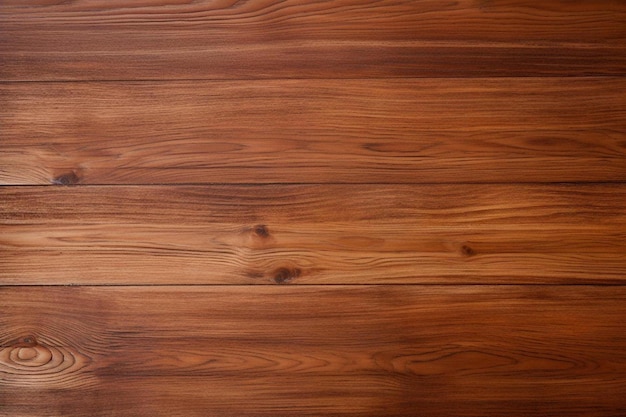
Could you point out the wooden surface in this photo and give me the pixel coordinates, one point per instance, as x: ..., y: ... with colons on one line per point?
x: 432, y: 193
x: 209, y: 39
x: 375, y: 131
x: 293, y: 351
x: 314, y: 234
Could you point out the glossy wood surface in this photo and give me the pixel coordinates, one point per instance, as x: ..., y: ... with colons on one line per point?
x: 317, y: 234
x: 312, y: 131
x: 293, y: 351
x: 230, y: 39
x: 380, y: 208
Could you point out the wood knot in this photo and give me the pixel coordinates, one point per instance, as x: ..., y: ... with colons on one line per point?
x: 261, y: 230
x: 69, y: 178
x: 27, y: 357
x: 285, y: 275
x: 467, y: 250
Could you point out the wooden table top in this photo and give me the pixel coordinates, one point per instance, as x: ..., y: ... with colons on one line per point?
x: 232, y: 208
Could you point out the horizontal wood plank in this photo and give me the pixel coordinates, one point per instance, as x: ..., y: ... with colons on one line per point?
x: 443, y: 183
x: 326, y: 234
x: 294, y: 351
x: 163, y: 39
x: 303, y: 131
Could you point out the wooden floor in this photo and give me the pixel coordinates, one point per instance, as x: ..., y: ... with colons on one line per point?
x: 233, y: 208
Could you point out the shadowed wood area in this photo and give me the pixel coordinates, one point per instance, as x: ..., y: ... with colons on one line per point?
x: 303, y: 131
x: 114, y: 40
x: 86, y: 39
x: 370, y: 351
x: 313, y: 234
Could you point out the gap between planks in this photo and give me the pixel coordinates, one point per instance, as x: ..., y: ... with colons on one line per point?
x: 284, y: 78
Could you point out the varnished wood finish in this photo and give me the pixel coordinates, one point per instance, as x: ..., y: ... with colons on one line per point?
x: 433, y: 194
x: 303, y: 131
x: 314, y: 234
x: 164, y: 39
x: 310, y: 351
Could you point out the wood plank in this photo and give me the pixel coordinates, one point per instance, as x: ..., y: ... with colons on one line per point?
x: 60, y: 40
x: 302, y: 131
x: 326, y: 234
x: 310, y: 351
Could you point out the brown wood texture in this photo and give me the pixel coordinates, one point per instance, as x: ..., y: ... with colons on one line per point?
x: 324, y: 234
x: 165, y: 39
x: 312, y: 131
x: 433, y: 193
x: 310, y: 351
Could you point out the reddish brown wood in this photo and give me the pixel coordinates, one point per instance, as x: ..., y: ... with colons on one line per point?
x: 326, y: 234
x: 314, y: 131
x: 310, y: 351
x: 151, y: 147
x: 207, y: 39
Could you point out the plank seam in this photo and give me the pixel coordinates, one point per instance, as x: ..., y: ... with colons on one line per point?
x: 156, y: 80
x: 305, y: 285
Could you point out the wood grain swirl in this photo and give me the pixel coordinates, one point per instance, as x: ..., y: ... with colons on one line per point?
x: 313, y: 234
x: 27, y: 363
x: 303, y: 131
x: 208, y: 39
x: 468, y: 351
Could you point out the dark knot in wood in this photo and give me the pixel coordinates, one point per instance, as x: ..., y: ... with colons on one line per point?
x: 69, y: 178
x: 261, y: 230
x: 285, y: 275
x: 27, y: 356
x: 467, y: 250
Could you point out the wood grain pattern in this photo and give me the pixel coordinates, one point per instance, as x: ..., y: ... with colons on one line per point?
x: 310, y: 351
x: 444, y: 183
x: 303, y: 131
x: 81, y: 39
x: 313, y: 234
